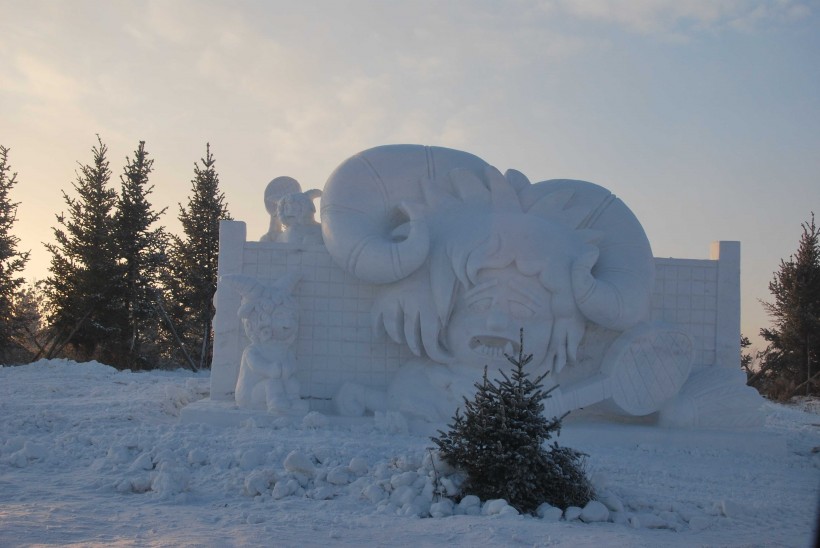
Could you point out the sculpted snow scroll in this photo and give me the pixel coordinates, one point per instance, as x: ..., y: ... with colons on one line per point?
x: 454, y: 258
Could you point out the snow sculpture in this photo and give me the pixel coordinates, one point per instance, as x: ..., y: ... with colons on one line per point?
x: 427, y: 263
x: 465, y: 256
x: 266, y: 373
x: 291, y: 213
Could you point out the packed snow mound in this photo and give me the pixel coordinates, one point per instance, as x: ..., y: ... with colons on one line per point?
x: 100, y: 457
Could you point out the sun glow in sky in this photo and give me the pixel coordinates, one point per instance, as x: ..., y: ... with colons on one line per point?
x: 703, y: 116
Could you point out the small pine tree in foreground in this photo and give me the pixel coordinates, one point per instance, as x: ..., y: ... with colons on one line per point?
x: 499, y: 442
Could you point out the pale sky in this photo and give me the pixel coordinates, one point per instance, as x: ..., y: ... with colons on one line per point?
x: 702, y: 115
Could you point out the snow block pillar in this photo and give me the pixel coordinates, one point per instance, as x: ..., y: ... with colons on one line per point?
x: 727, y: 332
x: 228, y: 336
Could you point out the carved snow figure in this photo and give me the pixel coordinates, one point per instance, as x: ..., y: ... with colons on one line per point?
x: 291, y: 213
x: 466, y: 256
x: 266, y: 374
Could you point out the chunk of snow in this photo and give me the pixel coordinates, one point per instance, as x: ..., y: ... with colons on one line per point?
x: 402, y: 495
x: 493, y: 507
x: 299, y: 462
x: 469, y: 505
x: 594, y: 511
x: 259, y: 482
x: 442, y: 508
x: 612, y: 502
x: 358, y: 466
x: 374, y: 493
x: 548, y: 512
x: 251, y: 459
x: 405, y: 478
x: 285, y: 488
x: 142, y: 462
x: 198, y: 456
x: 338, y: 475
x: 572, y: 513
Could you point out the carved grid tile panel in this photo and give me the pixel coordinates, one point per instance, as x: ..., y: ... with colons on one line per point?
x: 335, y: 342
x: 685, y: 296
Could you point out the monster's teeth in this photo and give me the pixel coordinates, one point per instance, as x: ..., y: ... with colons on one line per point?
x: 508, y: 349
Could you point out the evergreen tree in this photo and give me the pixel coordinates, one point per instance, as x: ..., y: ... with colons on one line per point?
x: 84, y: 279
x: 141, y: 251
x: 746, y: 358
x: 790, y: 361
x: 12, y: 262
x: 499, y: 442
x: 28, y: 315
x: 193, y: 262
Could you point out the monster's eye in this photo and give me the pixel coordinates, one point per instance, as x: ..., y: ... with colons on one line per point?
x: 481, y: 305
x: 521, y: 310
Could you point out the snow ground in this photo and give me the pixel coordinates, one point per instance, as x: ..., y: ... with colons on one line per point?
x: 91, y: 456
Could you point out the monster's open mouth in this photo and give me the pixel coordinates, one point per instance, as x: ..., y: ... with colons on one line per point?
x: 493, y: 347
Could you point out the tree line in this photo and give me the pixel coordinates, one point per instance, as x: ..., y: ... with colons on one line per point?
x: 124, y: 291
x: 120, y: 289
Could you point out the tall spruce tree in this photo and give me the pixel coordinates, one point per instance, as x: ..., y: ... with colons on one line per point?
x: 141, y: 249
x: 193, y: 261
x: 84, y: 279
x: 499, y: 442
x: 790, y: 363
x: 12, y: 261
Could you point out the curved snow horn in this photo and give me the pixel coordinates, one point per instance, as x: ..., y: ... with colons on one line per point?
x: 373, y: 208
x: 313, y: 193
x: 615, y: 290
x: 612, y: 279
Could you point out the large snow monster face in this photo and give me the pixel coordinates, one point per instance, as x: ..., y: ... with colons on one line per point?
x: 487, y: 317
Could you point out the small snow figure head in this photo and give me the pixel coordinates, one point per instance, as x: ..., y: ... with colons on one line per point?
x: 268, y: 313
x: 296, y: 209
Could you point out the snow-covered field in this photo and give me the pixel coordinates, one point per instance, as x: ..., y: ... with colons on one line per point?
x: 92, y: 456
